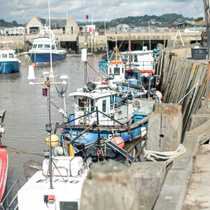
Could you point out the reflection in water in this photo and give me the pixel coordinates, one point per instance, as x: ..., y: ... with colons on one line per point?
x: 27, y: 111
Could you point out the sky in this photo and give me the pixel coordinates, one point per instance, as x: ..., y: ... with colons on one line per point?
x: 23, y: 10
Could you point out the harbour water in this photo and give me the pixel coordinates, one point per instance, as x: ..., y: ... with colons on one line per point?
x: 27, y: 111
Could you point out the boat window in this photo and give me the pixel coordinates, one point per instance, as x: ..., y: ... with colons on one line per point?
x: 82, y: 102
x: 92, y: 105
x: 11, y: 55
x: 104, y: 106
x: 116, y: 71
x: 40, y: 45
x: 112, y: 101
x: 47, y: 46
x: 69, y: 205
x: 53, y: 47
x: 135, y: 58
x: 110, y: 71
x: 4, y: 55
x: 34, y: 46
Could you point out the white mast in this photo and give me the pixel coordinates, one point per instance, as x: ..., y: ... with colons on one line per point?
x: 49, y: 16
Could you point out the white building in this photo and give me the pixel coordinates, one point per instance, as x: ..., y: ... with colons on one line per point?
x: 14, y: 31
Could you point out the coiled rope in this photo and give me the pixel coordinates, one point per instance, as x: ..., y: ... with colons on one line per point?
x: 164, y: 156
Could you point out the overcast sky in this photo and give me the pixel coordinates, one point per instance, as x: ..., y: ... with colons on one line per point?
x: 23, y: 10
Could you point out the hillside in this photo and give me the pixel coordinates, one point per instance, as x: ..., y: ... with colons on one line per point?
x: 4, y: 23
x: 136, y: 21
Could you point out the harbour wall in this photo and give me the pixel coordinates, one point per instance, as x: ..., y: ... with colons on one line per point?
x: 98, y: 43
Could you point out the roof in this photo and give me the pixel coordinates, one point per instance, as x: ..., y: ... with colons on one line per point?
x: 93, y: 94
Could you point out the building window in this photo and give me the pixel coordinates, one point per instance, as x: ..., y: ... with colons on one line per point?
x: 72, y: 29
x: 104, y: 106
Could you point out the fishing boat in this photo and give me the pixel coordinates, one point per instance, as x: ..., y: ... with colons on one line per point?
x: 141, y: 60
x: 109, y: 111
x: 44, y: 49
x: 69, y: 174
x: 3, y: 159
x: 9, y: 63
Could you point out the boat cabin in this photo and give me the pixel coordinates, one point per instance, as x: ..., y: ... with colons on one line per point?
x: 116, y: 71
x: 142, y: 60
x: 44, y: 44
x: 85, y: 104
x: 7, y: 54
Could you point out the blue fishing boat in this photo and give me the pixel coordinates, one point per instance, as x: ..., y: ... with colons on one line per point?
x: 108, y: 111
x: 42, y: 50
x: 9, y: 63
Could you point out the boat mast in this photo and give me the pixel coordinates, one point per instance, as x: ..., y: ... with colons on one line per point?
x: 49, y: 100
x: 49, y: 17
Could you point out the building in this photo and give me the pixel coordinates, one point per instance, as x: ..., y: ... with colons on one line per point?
x: 35, y: 25
x: 71, y: 26
x: 14, y: 31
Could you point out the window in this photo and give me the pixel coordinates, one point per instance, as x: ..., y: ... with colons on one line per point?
x: 82, y: 102
x: 35, y: 46
x: 40, y: 45
x: 47, y: 46
x: 116, y: 71
x: 11, y: 55
x: 4, y: 55
x: 53, y: 47
x: 104, y: 106
x: 69, y: 205
x: 135, y: 58
x: 92, y: 105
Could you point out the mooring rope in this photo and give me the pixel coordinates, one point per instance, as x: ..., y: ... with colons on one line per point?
x: 164, y: 156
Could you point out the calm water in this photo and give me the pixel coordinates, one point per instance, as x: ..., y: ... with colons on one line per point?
x: 27, y: 111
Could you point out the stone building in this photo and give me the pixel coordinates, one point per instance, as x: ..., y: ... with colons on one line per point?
x: 35, y: 25
x: 71, y: 26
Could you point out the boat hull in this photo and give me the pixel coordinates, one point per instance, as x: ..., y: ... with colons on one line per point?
x: 3, y: 171
x: 8, y: 67
x: 131, y: 133
x: 45, y: 57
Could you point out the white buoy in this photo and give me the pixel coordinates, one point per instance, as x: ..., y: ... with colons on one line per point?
x: 31, y: 73
x: 84, y: 55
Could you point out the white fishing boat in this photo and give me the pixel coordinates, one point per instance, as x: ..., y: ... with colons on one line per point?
x: 141, y: 60
x: 68, y: 177
x: 9, y: 63
x: 45, y: 48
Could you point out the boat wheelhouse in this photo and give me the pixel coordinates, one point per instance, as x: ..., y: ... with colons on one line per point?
x: 141, y: 60
x: 42, y: 48
x: 9, y: 63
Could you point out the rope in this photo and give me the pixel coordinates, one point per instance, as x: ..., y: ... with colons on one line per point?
x: 164, y: 156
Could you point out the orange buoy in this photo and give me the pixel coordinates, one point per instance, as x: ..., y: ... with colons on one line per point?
x: 118, y: 141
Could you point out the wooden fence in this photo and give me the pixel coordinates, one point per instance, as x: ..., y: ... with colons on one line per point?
x: 183, y: 81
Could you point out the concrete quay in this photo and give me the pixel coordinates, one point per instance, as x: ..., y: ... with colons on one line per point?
x: 96, y: 42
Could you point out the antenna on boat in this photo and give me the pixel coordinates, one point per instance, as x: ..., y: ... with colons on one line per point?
x: 49, y: 16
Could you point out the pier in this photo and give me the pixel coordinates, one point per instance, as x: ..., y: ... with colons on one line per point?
x: 98, y: 42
